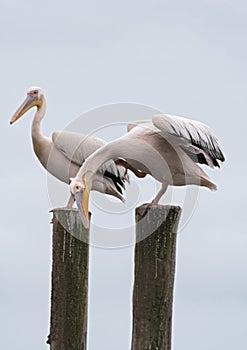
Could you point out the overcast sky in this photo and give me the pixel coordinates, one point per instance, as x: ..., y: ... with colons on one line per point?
x: 185, y: 58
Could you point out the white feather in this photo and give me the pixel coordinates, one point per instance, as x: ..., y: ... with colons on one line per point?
x: 194, y: 132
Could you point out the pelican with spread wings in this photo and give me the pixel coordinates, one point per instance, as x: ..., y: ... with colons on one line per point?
x: 169, y: 148
x: 63, y: 153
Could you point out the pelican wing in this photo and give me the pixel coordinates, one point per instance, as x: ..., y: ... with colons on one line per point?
x: 78, y: 147
x: 75, y: 146
x: 200, y: 142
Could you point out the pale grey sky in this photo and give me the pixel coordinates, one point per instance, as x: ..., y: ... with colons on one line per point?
x: 186, y: 58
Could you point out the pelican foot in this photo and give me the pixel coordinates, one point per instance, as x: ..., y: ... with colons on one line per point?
x: 142, y: 210
x: 62, y: 208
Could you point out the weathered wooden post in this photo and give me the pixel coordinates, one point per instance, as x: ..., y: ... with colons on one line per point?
x: 69, y: 297
x: 155, y: 256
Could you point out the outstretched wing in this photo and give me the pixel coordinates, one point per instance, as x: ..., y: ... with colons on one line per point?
x: 200, y: 142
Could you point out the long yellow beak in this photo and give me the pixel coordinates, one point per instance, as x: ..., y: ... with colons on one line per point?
x: 85, y: 202
x: 82, y: 199
x: 29, y: 102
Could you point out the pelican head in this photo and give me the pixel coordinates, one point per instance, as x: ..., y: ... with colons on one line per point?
x: 34, y: 98
x: 80, y: 190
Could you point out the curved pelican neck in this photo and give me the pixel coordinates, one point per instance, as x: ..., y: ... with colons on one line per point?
x: 37, y: 134
x: 95, y: 160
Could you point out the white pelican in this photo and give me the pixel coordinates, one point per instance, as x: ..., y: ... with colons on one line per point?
x: 64, y: 152
x: 168, y: 148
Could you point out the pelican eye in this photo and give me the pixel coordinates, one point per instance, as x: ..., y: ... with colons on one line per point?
x: 35, y: 92
x: 77, y: 187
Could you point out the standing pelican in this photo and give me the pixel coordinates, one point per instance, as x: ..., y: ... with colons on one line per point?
x: 168, y: 148
x: 64, y: 152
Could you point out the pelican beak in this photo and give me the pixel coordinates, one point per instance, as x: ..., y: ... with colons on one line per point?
x: 29, y: 102
x: 81, y: 199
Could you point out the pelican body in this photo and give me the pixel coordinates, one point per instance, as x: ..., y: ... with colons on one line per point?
x: 169, y: 148
x: 63, y: 153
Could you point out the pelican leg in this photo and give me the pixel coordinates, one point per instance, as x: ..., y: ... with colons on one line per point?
x: 69, y: 205
x: 127, y: 166
x: 137, y: 173
x: 70, y: 202
x: 160, y: 193
x: 142, y: 210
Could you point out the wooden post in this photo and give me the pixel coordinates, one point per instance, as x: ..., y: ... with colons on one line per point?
x: 155, y: 255
x: 68, y: 328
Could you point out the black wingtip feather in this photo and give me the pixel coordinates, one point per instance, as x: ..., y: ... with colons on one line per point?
x: 117, y: 180
x: 200, y: 158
